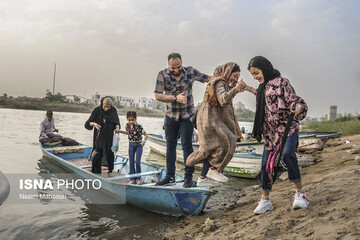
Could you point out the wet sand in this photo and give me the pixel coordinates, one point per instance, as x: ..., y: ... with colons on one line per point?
x: 332, y: 186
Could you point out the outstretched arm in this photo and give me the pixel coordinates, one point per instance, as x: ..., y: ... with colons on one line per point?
x: 224, y: 97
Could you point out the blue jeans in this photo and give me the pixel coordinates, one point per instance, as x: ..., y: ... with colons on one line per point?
x: 290, y: 160
x: 135, y: 148
x: 205, y: 169
x: 172, y: 129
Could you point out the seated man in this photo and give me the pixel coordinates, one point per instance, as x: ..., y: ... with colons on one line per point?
x: 47, y: 129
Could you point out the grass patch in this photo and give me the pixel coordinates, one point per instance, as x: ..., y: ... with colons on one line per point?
x: 347, y: 125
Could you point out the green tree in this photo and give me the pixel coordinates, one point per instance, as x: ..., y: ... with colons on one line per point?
x: 55, y: 97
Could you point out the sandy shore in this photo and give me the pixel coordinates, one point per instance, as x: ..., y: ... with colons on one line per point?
x: 332, y: 186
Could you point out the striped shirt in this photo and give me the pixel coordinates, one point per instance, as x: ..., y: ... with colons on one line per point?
x: 165, y: 83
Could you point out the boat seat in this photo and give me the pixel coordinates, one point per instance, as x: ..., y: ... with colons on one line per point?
x: 135, y: 175
x: 68, y: 149
x: 89, y: 166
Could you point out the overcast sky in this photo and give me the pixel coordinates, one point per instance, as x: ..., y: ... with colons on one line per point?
x: 117, y: 47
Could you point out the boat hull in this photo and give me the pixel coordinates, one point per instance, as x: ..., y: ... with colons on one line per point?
x: 246, y: 162
x: 170, y: 200
x: 315, y: 141
x: 4, y: 188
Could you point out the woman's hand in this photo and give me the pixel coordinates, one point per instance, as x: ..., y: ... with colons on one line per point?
x: 240, y: 86
x: 297, y: 110
x: 117, y: 129
x: 95, y: 125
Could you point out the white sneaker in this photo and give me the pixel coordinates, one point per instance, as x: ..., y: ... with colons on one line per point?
x: 140, y: 181
x: 214, y: 174
x: 300, y: 201
x: 263, y: 206
x: 206, y: 182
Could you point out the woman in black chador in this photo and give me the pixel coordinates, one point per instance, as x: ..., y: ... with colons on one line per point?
x: 104, y: 119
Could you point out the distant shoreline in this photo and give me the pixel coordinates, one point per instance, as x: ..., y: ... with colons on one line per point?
x: 43, y: 105
x: 140, y: 112
x: 122, y: 111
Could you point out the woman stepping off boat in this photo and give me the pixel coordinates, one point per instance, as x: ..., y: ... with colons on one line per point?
x: 217, y: 125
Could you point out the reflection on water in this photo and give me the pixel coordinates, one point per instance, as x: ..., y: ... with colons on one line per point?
x: 20, y: 153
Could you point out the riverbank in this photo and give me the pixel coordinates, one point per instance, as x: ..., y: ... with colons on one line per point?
x: 346, y: 125
x: 332, y: 185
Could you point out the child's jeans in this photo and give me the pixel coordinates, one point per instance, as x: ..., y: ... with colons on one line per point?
x: 135, y: 148
x: 290, y: 160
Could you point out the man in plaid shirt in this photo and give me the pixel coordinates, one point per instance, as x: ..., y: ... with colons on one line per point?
x: 174, y: 87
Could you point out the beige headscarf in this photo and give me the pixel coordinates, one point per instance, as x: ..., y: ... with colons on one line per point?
x: 221, y: 73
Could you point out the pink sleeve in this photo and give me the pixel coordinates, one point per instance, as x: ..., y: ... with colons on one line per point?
x: 291, y: 97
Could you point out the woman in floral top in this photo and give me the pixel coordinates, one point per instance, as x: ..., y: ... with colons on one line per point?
x: 136, y: 143
x: 275, y: 101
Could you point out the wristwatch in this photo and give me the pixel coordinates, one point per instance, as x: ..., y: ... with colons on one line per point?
x: 174, y: 98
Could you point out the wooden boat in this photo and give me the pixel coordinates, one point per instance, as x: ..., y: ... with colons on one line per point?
x: 4, y: 188
x: 172, y: 200
x: 246, y: 162
x: 314, y: 141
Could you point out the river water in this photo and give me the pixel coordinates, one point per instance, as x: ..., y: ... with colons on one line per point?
x: 20, y: 154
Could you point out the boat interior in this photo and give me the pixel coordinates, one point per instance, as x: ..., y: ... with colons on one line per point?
x: 80, y: 155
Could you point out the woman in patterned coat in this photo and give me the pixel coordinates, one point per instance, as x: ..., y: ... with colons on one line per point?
x: 275, y: 101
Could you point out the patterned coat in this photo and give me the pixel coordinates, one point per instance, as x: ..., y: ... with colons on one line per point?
x: 279, y: 98
x: 217, y: 129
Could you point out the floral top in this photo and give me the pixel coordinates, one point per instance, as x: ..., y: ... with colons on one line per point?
x: 135, y: 133
x: 279, y: 97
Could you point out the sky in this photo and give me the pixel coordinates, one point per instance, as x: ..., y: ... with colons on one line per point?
x: 117, y: 47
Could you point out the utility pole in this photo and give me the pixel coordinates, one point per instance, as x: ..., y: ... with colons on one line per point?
x: 54, y: 79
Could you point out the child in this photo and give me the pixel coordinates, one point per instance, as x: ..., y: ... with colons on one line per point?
x: 136, y: 143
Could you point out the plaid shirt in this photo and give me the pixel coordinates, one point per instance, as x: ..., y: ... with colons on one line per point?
x: 165, y: 82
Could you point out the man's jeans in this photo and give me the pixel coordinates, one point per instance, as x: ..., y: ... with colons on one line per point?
x: 290, y: 160
x: 135, y: 148
x: 172, y: 129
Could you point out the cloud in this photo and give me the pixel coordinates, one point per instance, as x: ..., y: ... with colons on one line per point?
x: 124, y: 43
x: 210, y: 9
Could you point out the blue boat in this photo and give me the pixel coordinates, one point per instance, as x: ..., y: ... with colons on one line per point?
x: 174, y: 200
x: 4, y: 188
